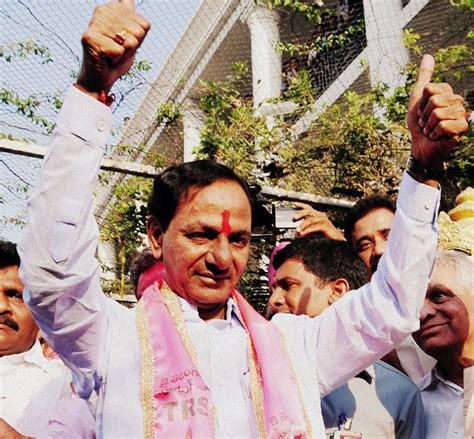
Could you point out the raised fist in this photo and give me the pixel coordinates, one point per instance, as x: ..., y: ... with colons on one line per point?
x: 110, y: 42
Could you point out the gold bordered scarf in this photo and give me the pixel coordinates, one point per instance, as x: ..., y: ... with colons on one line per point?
x: 176, y: 400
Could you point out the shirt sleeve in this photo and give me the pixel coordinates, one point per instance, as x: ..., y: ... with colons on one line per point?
x: 415, y: 362
x: 58, y: 265
x: 368, y: 323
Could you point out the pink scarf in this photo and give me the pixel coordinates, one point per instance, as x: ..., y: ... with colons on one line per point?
x: 180, y: 403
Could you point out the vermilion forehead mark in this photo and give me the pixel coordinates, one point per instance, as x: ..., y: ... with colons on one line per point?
x: 225, y: 223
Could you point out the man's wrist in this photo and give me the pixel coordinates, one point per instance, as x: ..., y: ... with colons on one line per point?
x: 102, y: 96
x: 93, y: 94
x: 427, y: 175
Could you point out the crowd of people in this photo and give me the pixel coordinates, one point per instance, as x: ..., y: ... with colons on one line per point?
x: 371, y: 331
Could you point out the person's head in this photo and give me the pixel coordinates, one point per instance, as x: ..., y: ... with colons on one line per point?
x: 312, y: 273
x: 18, y: 330
x: 294, y: 63
x: 200, y: 227
x: 447, y: 317
x: 366, y: 228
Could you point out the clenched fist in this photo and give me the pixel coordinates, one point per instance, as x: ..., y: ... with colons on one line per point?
x: 110, y: 42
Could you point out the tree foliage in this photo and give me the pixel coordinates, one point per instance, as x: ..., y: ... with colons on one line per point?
x: 126, y: 221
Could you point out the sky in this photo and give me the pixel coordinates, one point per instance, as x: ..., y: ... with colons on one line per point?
x: 58, y: 25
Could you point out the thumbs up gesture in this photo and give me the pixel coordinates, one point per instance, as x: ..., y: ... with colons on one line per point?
x: 436, y: 118
x: 109, y: 44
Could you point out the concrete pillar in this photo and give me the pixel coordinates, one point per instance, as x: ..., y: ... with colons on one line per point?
x: 193, y: 118
x: 266, y: 60
x: 107, y: 255
x: 387, y: 55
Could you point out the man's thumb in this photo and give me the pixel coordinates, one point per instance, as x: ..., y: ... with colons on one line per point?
x: 130, y: 4
x: 426, y: 71
x: 424, y: 77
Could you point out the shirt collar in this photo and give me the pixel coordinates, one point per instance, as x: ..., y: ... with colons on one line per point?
x: 33, y: 356
x: 436, y: 377
x: 232, y: 317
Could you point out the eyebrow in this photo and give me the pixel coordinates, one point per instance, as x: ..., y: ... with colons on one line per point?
x: 206, y: 228
x: 386, y: 229
x: 286, y: 279
x: 433, y: 288
x: 241, y: 233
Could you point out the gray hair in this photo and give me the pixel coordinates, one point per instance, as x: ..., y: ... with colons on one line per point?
x: 460, y: 264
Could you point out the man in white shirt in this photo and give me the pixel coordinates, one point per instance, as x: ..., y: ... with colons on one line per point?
x: 445, y: 322
x: 193, y: 358
x: 30, y: 384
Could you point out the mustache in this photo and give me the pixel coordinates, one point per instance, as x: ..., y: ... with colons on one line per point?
x: 8, y: 321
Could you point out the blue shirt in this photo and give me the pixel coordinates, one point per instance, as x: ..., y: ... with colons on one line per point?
x: 381, y: 401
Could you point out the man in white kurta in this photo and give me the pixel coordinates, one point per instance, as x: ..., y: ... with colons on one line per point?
x: 30, y: 384
x: 98, y: 338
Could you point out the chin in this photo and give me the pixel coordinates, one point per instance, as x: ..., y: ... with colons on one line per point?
x: 208, y: 297
x: 437, y: 348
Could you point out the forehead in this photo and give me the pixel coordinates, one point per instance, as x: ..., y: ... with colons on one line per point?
x: 374, y: 220
x: 213, y: 200
x: 9, y: 275
x: 445, y: 275
x: 295, y: 269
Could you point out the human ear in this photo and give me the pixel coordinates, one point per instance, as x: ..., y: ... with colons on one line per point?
x: 339, y: 287
x: 468, y: 349
x: 155, y: 236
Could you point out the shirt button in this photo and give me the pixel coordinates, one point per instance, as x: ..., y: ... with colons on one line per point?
x: 455, y: 430
x: 427, y: 207
x: 101, y: 125
x: 221, y: 382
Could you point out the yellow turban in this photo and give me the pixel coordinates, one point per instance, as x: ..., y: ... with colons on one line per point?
x: 456, y: 228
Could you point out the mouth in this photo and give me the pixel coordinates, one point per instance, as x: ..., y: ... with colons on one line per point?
x: 8, y: 323
x: 211, y: 279
x: 430, y: 330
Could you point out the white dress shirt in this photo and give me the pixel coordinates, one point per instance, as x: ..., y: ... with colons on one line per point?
x: 97, y: 337
x: 30, y: 388
x: 468, y: 411
x: 443, y: 402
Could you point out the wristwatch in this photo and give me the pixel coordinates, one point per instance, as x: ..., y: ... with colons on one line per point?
x: 417, y: 171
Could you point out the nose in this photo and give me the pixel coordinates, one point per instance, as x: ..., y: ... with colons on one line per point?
x: 427, y: 311
x: 277, y: 299
x: 379, y: 247
x: 220, y: 255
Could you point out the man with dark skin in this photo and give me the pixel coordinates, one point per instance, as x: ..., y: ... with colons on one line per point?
x: 31, y: 384
x: 206, y: 381
x: 18, y: 331
x: 446, y: 333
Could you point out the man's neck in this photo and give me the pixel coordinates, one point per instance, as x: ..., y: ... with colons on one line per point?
x: 215, y: 312
x: 7, y: 353
x: 453, y: 369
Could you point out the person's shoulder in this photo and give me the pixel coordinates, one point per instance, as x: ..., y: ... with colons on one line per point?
x: 388, y: 373
x: 290, y: 322
x: 116, y: 308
